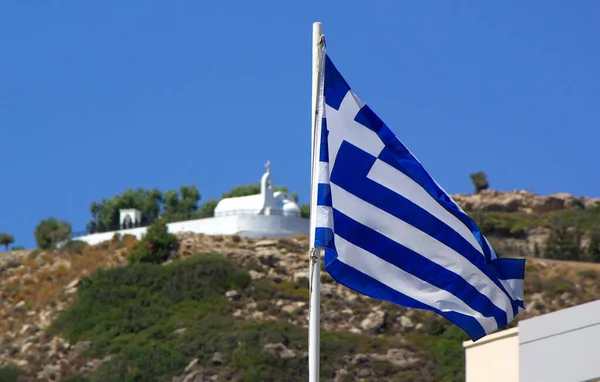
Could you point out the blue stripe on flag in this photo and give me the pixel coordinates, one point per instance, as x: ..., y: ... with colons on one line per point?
x: 324, y: 238
x: 324, y: 195
x: 323, y: 152
x: 335, y: 87
x: 415, y: 264
x: 510, y: 268
x: 350, y: 172
x: 350, y: 277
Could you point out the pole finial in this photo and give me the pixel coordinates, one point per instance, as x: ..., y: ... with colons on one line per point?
x: 268, y: 166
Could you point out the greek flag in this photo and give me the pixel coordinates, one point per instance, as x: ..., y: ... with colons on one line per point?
x: 389, y: 231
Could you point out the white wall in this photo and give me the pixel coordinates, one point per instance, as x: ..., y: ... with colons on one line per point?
x: 244, y: 225
x: 562, y: 346
x: 494, y: 358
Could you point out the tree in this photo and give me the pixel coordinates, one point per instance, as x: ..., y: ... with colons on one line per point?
x: 105, y: 213
x: 480, y: 181
x: 156, y: 246
x: 52, y: 231
x: 593, y: 249
x: 564, y: 243
x: 305, y: 211
x: 6, y: 240
x: 182, y: 205
x: 207, y: 209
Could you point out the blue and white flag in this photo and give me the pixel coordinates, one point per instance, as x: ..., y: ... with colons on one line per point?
x: 392, y: 233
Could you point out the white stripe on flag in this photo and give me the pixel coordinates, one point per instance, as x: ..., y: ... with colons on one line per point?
x: 343, y: 127
x: 401, y: 184
x: 419, y: 242
x: 406, y: 283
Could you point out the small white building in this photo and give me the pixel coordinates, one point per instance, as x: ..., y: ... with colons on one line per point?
x: 562, y: 346
x: 268, y: 202
x: 268, y: 214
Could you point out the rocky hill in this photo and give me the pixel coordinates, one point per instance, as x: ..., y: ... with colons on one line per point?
x: 235, y: 309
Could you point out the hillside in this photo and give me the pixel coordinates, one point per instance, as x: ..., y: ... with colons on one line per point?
x: 234, y: 309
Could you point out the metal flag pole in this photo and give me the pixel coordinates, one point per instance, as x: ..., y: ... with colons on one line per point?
x: 314, y: 319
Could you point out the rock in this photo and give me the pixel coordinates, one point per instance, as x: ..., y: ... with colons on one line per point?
x: 25, y: 347
x: 191, y: 365
x: 327, y: 290
x: 29, y: 329
x: 406, y: 322
x: 179, y: 331
x: 232, y: 295
x: 359, y: 359
x: 340, y: 375
x: 374, y: 321
x: 265, y: 243
x: 267, y: 259
x: 19, y: 307
x: 565, y: 296
x: 237, y: 313
x: 289, y: 309
x: 355, y: 330
x: 363, y: 373
x: 50, y: 372
x: 217, y: 359
x: 73, y: 284
x: 254, y: 275
x: 279, y: 350
x: 300, y: 275
x: 401, y: 358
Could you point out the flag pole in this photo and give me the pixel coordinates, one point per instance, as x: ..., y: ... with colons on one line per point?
x: 314, y: 319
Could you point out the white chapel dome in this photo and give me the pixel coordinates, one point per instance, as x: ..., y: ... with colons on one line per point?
x: 290, y: 208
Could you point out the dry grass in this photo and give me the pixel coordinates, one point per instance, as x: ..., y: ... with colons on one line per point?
x: 41, y: 281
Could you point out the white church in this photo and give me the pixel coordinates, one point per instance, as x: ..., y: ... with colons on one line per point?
x: 269, y: 214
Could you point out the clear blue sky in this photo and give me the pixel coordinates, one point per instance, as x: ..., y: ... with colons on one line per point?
x: 96, y: 97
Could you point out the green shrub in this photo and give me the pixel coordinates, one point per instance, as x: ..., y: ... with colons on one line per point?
x: 73, y: 247
x: 564, y: 243
x: 269, y: 290
x: 17, y: 248
x: 502, y: 224
x: 593, y: 250
x: 556, y: 286
x: 156, y: 246
x: 445, y: 349
x: 131, y: 312
x: 10, y: 373
x: 50, y: 232
x: 590, y: 274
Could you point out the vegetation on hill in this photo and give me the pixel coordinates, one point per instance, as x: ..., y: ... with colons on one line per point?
x: 238, y: 315
x: 573, y: 233
x: 52, y: 231
x: 153, y: 320
x: 156, y: 246
x: 6, y: 240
